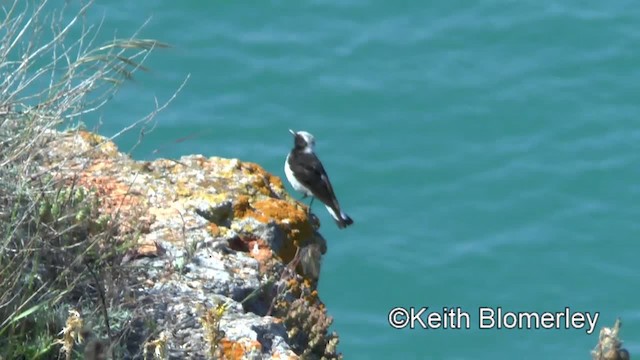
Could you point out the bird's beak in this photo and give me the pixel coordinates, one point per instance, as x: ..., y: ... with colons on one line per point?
x: 292, y: 132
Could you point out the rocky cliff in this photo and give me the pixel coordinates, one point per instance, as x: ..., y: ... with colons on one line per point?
x: 214, y: 259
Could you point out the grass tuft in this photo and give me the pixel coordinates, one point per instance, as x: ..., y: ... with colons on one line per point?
x: 213, y: 335
x: 58, y: 252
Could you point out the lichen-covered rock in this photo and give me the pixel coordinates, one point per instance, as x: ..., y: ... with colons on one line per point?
x: 224, y: 264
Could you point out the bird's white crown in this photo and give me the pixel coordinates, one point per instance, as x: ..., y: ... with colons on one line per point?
x: 308, y: 139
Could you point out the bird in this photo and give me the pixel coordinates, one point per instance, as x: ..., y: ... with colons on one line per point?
x: 306, y: 175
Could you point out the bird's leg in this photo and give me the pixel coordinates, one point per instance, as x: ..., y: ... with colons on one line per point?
x: 310, y: 204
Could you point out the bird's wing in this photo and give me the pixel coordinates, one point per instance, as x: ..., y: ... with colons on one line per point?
x: 312, y: 175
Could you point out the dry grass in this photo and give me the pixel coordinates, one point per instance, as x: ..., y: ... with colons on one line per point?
x: 213, y: 335
x: 609, y: 345
x: 57, y: 254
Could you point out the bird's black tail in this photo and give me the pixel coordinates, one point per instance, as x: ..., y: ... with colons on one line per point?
x: 342, y: 219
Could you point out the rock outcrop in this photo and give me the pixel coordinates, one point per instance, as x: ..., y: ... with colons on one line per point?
x: 220, y: 262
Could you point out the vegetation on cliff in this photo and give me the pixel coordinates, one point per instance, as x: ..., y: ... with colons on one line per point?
x: 57, y: 248
x: 102, y: 256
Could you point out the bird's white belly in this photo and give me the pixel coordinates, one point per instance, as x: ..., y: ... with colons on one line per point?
x: 293, y: 181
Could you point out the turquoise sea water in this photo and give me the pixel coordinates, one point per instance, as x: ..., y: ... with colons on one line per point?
x: 487, y: 150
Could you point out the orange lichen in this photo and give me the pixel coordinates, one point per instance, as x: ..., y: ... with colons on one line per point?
x: 290, y: 218
x: 280, y: 210
x: 293, y: 282
x: 107, y: 147
x: 90, y: 138
x: 235, y: 350
x: 118, y: 201
x: 148, y: 248
x: 115, y: 195
x: 302, y: 289
x: 213, y: 229
x: 100, y: 166
x: 241, y: 207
